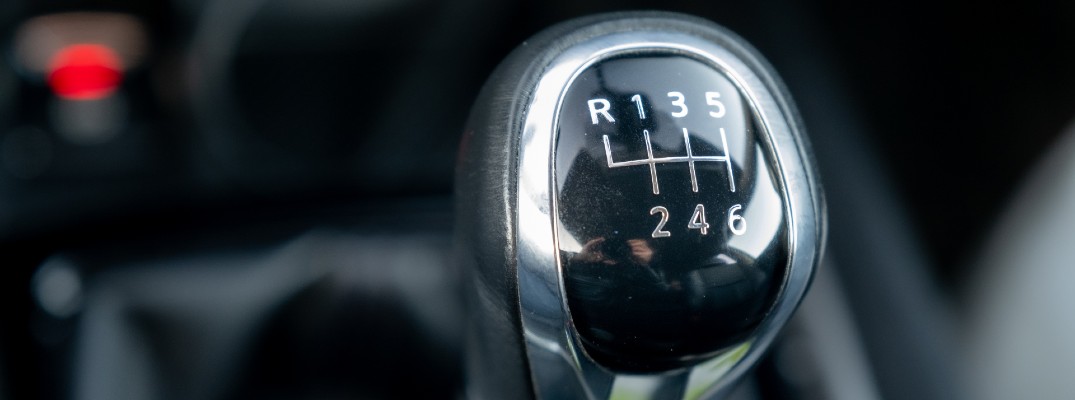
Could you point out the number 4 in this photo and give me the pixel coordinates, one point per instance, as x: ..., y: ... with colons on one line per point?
x: 698, y: 220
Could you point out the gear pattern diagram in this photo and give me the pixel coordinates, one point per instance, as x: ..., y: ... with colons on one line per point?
x: 690, y: 159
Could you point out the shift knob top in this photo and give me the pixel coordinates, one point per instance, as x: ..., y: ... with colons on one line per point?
x: 672, y: 237
x: 638, y: 210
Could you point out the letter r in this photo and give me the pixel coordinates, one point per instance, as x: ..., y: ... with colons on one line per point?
x: 599, y: 106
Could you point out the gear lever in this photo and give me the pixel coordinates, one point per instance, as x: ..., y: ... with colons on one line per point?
x: 637, y: 209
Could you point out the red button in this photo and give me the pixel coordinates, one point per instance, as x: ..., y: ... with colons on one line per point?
x: 85, y: 72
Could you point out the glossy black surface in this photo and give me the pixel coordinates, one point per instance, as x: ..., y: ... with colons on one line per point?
x: 644, y: 299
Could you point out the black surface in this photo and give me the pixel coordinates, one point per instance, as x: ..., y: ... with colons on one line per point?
x: 650, y: 296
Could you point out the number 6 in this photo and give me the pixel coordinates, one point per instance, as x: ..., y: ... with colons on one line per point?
x: 736, y: 219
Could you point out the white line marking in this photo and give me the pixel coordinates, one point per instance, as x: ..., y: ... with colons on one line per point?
x: 652, y: 165
x: 690, y: 159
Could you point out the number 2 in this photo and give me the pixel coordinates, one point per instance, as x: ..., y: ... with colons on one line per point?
x: 659, y: 232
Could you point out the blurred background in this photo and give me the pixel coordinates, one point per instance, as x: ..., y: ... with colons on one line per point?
x: 218, y: 199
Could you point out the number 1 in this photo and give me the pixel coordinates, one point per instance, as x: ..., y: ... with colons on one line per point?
x: 638, y: 102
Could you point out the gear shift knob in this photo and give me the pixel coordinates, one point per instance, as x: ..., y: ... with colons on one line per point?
x: 638, y: 211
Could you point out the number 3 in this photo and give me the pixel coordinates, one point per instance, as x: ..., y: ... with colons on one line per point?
x: 680, y: 101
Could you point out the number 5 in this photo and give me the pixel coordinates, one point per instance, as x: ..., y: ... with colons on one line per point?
x: 711, y: 99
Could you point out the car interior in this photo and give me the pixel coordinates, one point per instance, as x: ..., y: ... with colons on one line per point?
x: 240, y: 199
